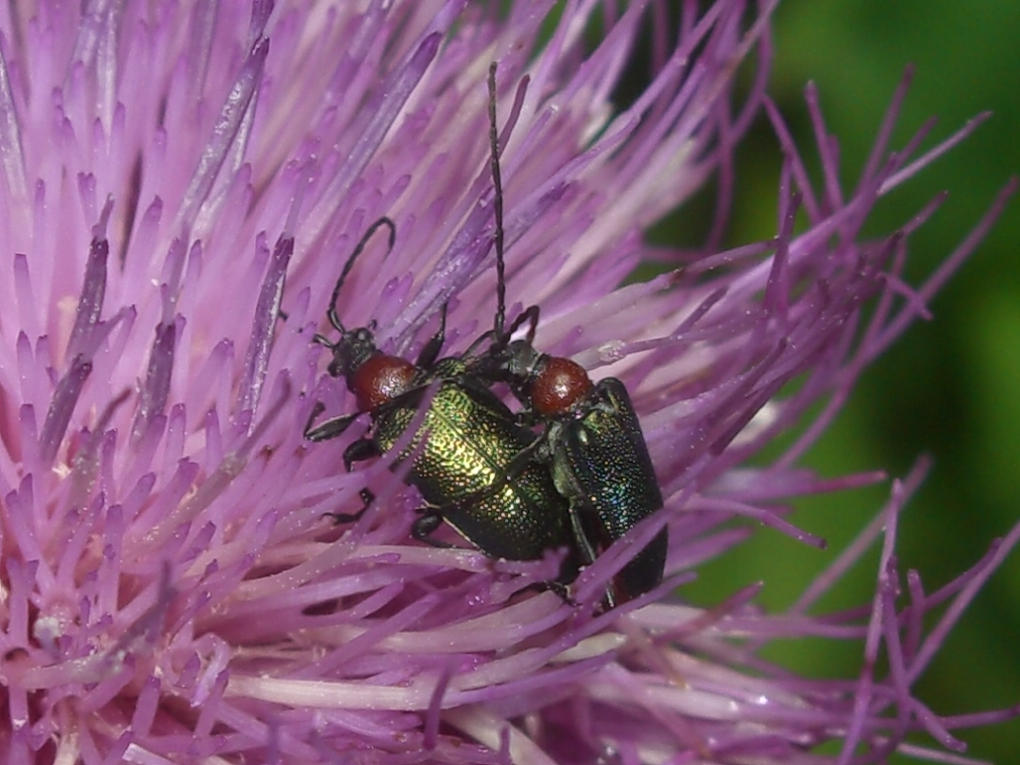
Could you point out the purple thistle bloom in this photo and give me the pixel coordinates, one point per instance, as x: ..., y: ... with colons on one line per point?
x: 181, y: 183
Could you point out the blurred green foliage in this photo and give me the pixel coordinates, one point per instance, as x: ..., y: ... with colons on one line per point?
x: 951, y: 387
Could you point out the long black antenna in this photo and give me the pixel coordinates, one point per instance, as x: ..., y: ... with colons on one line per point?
x: 331, y: 313
x: 497, y: 184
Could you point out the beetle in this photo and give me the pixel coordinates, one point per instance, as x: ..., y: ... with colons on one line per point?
x: 596, y: 451
x: 592, y: 439
x: 459, y: 453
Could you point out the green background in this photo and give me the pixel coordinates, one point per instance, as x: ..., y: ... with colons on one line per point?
x: 948, y: 388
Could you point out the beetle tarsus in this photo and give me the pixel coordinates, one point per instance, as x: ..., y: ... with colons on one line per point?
x: 529, y: 315
x: 331, y: 428
x: 430, y: 352
x: 423, y: 528
x: 359, y: 451
x: 367, y: 497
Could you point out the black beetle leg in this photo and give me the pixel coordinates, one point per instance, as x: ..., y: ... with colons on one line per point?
x: 331, y: 428
x: 608, y: 600
x: 529, y: 315
x: 487, y: 335
x: 520, y: 461
x: 430, y: 352
x: 536, y: 451
x: 367, y: 497
x: 562, y: 590
x: 357, y: 451
x: 530, y: 453
x: 425, y: 526
x: 317, y: 409
x: 584, y: 547
x: 526, y: 417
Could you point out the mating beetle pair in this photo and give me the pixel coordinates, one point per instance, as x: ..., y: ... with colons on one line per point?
x: 582, y: 482
x: 471, y: 437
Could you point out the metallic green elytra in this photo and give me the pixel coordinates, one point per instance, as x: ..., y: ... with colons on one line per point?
x: 461, y: 451
x: 592, y: 439
x: 470, y: 439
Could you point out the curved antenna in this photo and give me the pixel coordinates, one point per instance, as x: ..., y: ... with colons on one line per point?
x: 331, y: 311
x: 497, y: 185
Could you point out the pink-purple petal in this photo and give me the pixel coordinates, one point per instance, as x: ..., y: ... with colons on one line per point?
x: 172, y: 589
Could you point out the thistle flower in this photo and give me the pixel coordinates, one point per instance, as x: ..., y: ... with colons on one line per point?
x: 181, y: 184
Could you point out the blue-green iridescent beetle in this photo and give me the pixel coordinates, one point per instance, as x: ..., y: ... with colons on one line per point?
x: 592, y: 439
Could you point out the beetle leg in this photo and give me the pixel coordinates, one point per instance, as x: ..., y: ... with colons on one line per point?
x: 471, y: 349
x: 520, y: 461
x: 430, y: 352
x: 423, y: 527
x: 609, y: 599
x: 584, y: 545
x: 562, y: 590
x: 526, y: 417
x: 533, y: 452
x: 331, y: 428
x: 530, y: 316
x: 536, y: 451
x: 585, y: 548
x: 557, y: 587
x: 317, y: 409
x: 357, y: 451
x: 367, y: 498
